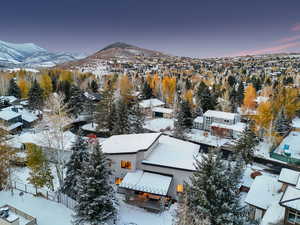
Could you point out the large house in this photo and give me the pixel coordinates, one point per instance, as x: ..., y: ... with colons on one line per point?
x: 151, y: 168
x: 148, y: 104
x: 220, y: 123
x: 14, y: 118
x: 276, y: 200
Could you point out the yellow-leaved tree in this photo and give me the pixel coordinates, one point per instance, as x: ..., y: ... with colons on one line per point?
x: 46, y: 84
x: 125, y: 87
x: 24, y: 87
x: 168, y: 88
x: 249, y: 99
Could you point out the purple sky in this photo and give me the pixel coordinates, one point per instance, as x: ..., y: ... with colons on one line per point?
x: 179, y: 27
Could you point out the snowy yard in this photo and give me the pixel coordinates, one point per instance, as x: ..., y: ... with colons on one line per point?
x: 198, y: 136
x: 51, y: 213
x: 159, y: 124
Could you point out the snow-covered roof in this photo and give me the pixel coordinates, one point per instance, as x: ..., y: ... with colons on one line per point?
x: 240, y: 127
x: 291, y: 198
x: 129, y: 143
x: 220, y: 114
x: 147, y: 182
x: 10, y: 99
x: 28, y: 116
x: 198, y: 119
x: 247, y: 180
x: 263, y: 191
x: 261, y: 99
x: 292, y: 140
x: 162, y: 110
x: 274, y: 214
x: 90, y: 127
x: 289, y: 176
x: 153, y: 102
x: 8, y: 115
x: 174, y: 153
x: 296, y: 122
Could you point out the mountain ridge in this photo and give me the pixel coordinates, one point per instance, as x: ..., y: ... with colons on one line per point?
x: 18, y: 55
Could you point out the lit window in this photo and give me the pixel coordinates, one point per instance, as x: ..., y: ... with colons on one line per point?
x: 179, y: 188
x: 118, y: 180
x: 125, y: 164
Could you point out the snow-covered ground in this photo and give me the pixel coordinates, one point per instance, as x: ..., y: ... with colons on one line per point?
x: 198, y: 136
x: 52, y: 213
x: 20, y: 175
x: 159, y: 124
x: 46, y: 212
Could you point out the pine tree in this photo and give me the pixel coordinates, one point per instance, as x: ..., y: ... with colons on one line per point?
x: 122, y: 124
x: 104, y: 109
x: 212, y: 195
x: 136, y: 118
x: 96, y: 195
x: 246, y: 144
x: 281, y: 124
x: 36, y: 97
x: 13, y: 89
x: 75, y: 167
x: 207, y: 100
x: 76, y: 101
x: 240, y: 93
x: 94, y: 86
x: 183, y: 119
x: 146, y: 91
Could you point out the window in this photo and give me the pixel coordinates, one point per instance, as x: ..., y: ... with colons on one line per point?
x: 293, y: 217
x: 179, y: 188
x: 125, y: 164
x: 118, y: 180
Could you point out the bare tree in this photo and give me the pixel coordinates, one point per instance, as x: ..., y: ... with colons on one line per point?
x: 53, y: 127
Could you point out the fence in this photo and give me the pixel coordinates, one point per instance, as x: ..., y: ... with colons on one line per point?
x: 49, y: 195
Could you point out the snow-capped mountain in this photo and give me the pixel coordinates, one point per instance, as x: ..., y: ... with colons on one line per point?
x: 30, y: 55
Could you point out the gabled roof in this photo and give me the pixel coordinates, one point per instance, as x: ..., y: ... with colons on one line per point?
x: 153, y: 102
x: 174, y: 153
x: 291, y: 198
x: 8, y: 115
x: 263, y: 191
x: 129, y: 143
x: 289, y: 176
x: 220, y: 114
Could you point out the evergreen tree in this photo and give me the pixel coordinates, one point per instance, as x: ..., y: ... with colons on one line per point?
x: 77, y: 101
x: 94, y: 86
x: 146, y: 91
x: 103, y: 115
x: 96, y: 195
x: 13, y: 89
x: 208, y: 102
x: 231, y: 81
x: 212, y: 196
x: 246, y: 144
x: 121, y: 124
x: 136, y: 118
x: 281, y: 124
x: 240, y: 93
x: 183, y: 118
x: 75, y: 167
x: 36, y: 96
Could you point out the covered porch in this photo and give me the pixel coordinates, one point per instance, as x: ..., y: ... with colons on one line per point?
x: 147, y: 190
